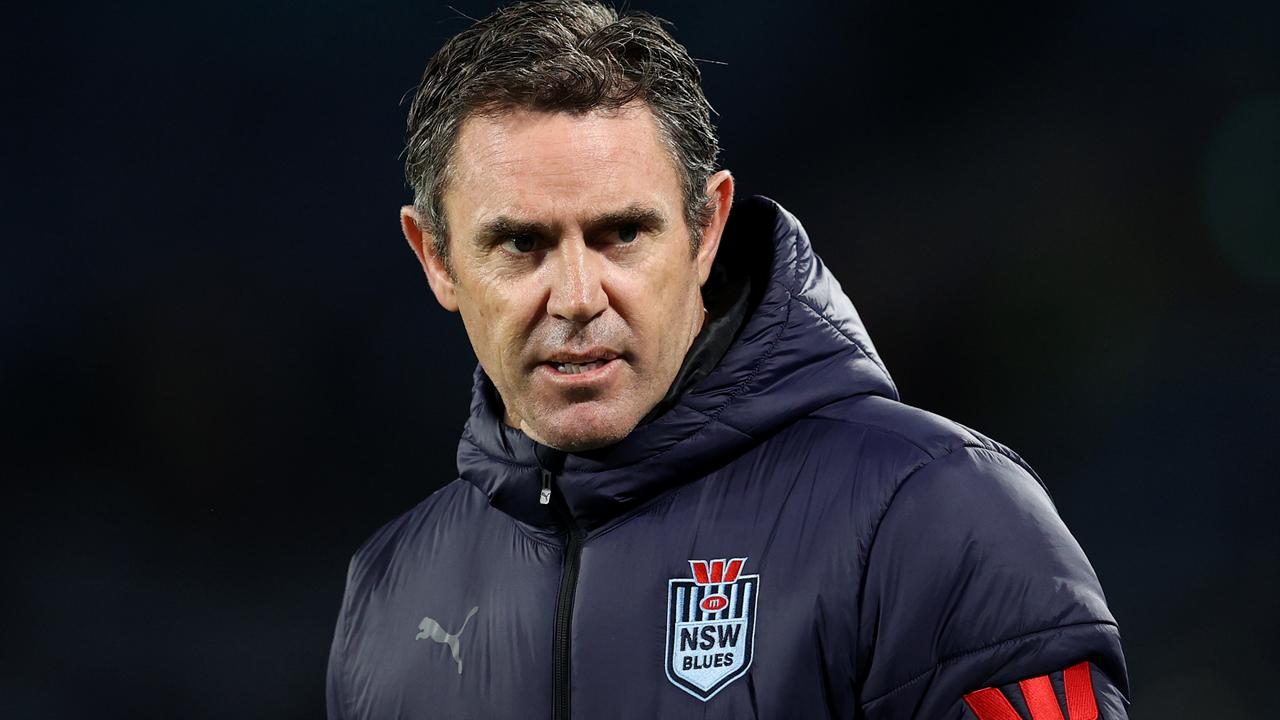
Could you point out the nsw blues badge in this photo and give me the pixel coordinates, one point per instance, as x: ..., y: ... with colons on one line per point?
x: 711, y: 625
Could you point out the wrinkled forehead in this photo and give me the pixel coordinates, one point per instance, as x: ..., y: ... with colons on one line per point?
x: 537, y: 165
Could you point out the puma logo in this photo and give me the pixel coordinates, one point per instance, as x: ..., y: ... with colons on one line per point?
x: 430, y: 629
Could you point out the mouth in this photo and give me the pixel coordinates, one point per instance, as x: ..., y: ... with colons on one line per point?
x: 580, y: 366
x: 569, y: 368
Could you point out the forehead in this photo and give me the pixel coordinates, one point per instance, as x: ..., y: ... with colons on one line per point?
x: 527, y: 163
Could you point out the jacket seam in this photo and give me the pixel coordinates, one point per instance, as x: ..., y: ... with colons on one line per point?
x: 525, y: 532
x: 975, y: 442
x: 884, y: 511
x: 875, y: 534
x: 669, y: 495
x: 870, y: 356
x: 466, y: 435
x: 878, y: 428
x: 643, y: 508
x: 519, y: 528
x: 955, y: 657
x: 893, y: 495
x: 673, y: 492
x: 865, y: 559
x: 714, y: 417
x: 1017, y: 461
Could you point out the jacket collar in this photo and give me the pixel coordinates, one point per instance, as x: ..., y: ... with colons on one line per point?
x: 802, y: 347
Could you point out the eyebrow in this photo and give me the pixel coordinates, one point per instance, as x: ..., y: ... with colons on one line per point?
x: 502, y: 227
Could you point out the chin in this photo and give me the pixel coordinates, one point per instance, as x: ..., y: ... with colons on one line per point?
x: 584, y: 426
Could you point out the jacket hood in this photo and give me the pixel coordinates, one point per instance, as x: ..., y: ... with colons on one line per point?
x: 802, y: 347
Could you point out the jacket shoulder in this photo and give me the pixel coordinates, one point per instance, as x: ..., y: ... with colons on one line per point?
x: 370, y: 563
x: 918, y: 433
x: 969, y: 576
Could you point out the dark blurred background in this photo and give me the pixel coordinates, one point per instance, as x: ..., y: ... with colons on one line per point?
x: 221, y: 369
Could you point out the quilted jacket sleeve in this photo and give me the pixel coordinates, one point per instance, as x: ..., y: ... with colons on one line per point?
x: 973, y: 582
x: 335, y: 678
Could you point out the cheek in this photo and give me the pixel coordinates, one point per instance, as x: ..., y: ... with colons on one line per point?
x: 677, y: 287
x: 497, y: 319
x: 658, y: 307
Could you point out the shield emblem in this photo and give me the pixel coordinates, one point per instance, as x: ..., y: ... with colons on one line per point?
x: 711, y: 626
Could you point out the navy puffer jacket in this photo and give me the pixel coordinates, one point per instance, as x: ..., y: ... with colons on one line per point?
x: 787, y: 541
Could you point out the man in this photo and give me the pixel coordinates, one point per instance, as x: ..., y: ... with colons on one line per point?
x: 687, y: 488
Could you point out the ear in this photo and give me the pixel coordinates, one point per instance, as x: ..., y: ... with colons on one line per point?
x: 422, y: 242
x: 720, y: 194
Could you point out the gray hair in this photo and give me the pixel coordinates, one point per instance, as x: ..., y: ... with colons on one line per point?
x: 570, y: 56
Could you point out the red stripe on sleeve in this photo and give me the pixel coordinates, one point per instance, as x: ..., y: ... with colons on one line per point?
x: 1043, y: 704
x: 990, y: 704
x: 1081, y: 704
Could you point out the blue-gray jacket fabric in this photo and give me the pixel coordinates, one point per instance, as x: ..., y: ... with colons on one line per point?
x: 893, y: 561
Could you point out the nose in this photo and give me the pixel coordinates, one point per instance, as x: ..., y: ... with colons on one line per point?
x: 577, y: 290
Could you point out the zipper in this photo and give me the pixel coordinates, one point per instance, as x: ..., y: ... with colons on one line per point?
x: 560, y: 643
x: 560, y: 709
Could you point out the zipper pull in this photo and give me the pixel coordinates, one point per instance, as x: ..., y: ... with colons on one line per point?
x: 544, y: 498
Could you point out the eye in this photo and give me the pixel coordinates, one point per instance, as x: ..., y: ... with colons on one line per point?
x: 627, y: 233
x: 520, y: 244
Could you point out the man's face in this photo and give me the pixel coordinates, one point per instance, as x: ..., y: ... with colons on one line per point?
x: 572, y: 267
